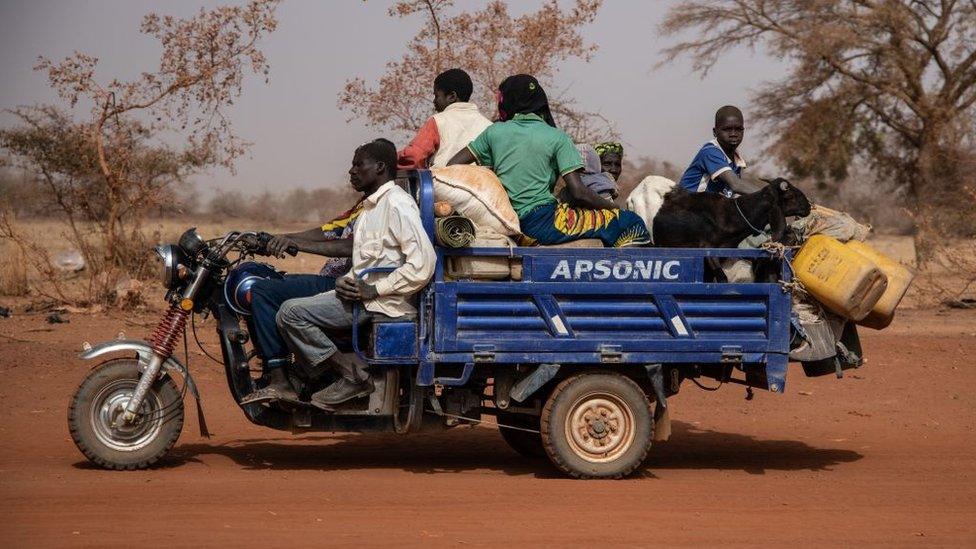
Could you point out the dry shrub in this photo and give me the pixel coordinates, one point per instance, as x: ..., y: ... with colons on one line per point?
x: 226, y: 204
x: 49, y: 283
x: 20, y: 194
x: 951, y: 274
x: 136, y: 251
x: 13, y: 270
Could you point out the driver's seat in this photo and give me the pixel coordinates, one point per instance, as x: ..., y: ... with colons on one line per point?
x: 383, y: 337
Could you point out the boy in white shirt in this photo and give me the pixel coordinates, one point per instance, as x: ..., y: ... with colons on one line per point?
x: 456, y: 123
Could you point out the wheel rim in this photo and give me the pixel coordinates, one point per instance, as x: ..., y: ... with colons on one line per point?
x: 106, y: 411
x: 600, y: 427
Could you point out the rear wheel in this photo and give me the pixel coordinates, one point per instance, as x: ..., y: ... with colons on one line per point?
x: 527, y: 443
x: 597, y: 426
x: 94, y: 417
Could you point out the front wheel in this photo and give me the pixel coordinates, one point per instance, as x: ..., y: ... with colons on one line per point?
x: 94, y: 417
x: 597, y: 425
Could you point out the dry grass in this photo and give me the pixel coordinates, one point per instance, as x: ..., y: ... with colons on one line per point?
x: 13, y: 271
x: 19, y: 278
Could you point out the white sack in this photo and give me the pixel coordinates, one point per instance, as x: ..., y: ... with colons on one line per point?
x: 832, y: 223
x: 476, y: 193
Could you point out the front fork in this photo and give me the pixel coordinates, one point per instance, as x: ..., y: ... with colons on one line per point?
x: 145, y: 381
x: 162, y: 341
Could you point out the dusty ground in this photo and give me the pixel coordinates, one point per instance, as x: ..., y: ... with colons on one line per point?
x: 886, y: 456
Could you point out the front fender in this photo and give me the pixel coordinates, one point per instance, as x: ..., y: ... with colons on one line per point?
x: 143, y: 351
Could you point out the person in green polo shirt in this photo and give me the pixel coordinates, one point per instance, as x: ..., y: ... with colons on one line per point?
x: 528, y: 153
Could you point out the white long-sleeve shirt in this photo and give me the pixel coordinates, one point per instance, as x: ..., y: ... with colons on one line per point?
x: 389, y: 233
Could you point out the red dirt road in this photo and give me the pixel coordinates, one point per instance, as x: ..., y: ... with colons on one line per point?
x: 886, y: 456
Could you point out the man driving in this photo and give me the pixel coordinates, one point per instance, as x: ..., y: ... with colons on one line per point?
x: 388, y: 233
x: 333, y: 240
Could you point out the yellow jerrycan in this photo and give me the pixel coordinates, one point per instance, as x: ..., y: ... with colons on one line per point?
x: 899, y: 279
x: 841, y: 279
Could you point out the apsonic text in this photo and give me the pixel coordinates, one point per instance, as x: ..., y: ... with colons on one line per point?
x: 605, y: 269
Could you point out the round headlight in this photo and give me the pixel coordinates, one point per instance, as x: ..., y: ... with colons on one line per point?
x: 171, y: 261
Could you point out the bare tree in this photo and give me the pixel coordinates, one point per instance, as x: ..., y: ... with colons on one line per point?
x: 63, y: 159
x: 112, y: 167
x: 889, y: 81
x: 489, y: 44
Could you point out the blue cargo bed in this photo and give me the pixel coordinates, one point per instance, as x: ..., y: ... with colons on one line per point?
x: 624, y: 306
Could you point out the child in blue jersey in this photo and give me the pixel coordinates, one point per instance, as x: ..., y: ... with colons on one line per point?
x: 717, y: 167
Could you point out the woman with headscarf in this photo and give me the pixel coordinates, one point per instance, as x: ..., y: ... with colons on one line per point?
x: 611, y: 157
x: 528, y: 153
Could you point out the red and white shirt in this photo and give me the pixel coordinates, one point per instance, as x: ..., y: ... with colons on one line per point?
x: 442, y: 136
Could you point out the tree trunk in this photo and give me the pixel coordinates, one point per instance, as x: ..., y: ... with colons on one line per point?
x: 926, y: 237
x: 936, y: 190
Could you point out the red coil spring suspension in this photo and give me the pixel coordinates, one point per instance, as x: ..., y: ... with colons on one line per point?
x: 169, y: 329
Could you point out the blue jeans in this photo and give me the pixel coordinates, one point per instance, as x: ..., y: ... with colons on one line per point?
x: 305, y: 323
x: 267, y: 296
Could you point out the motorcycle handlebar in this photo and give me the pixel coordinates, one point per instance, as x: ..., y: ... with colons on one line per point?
x: 252, y: 242
x: 265, y: 238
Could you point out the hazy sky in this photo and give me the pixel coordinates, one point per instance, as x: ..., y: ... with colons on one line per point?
x: 302, y: 139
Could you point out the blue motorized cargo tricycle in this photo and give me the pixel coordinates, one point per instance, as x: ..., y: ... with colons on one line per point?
x: 573, y: 351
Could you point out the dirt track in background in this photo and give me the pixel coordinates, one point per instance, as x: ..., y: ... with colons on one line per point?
x: 886, y: 456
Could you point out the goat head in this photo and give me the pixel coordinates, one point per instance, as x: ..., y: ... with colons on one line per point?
x: 791, y: 200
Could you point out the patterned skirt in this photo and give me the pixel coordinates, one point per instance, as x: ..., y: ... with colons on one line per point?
x: 557, y: 223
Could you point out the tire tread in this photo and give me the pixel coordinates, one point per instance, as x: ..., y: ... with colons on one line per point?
x: 74, y: 420
x: 549, y: 444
